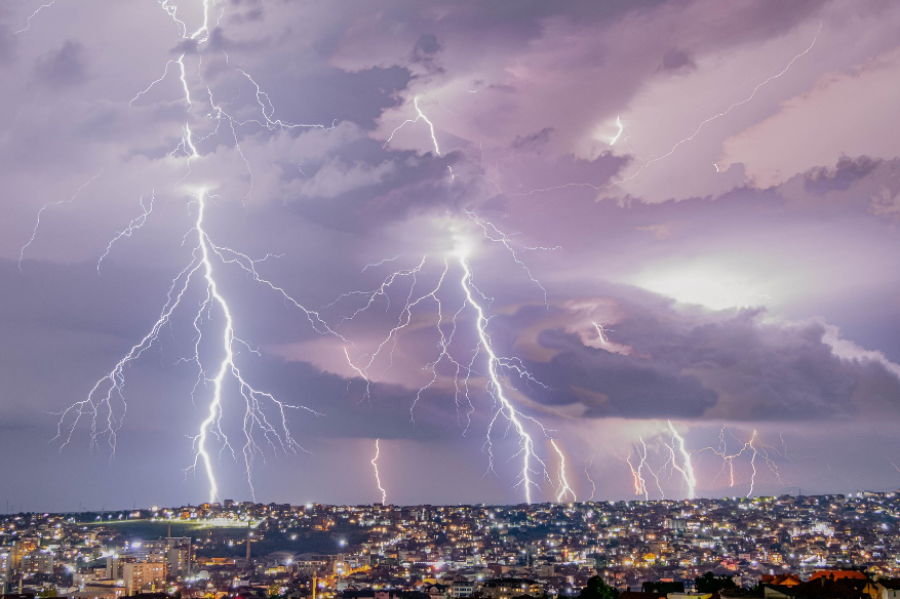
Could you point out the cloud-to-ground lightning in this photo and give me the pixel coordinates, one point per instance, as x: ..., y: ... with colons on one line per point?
x: 563, y: 480
x: 669, y: 448
x: 687, y: 467
x: 640, y: 485
x: 753, y: 447
x: 263, y: 413
x: 587, y: 474
x: 374, y: 463
x: 464, y: 362
x: 217, y: 345
x: 264, y: 419
x: 643, y: 464
x: 497, y: 389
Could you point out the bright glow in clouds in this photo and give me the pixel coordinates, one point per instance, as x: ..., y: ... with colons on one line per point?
x: 540, y: 359
x: 710, y: 286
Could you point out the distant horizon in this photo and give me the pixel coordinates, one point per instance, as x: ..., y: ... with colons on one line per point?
x: 438, y: 505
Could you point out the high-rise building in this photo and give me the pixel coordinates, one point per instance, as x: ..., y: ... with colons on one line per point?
x: 20, y: 548
x: 144, y: 576
x: 177, y: 552
x: 37, y: 562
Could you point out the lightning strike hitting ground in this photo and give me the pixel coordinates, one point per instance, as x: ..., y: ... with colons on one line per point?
x: 374, y: 463
x: 263, y: 414
x: 564, y: 488
x: 463, y: 362
x: 753, y: 447
x: 640, y: 485
x: 496, y: 389
x: 587, y: 474
x: 264, y: 417
x: 687, y: 467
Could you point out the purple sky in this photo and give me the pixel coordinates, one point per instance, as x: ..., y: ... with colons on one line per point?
x: 717, y: 187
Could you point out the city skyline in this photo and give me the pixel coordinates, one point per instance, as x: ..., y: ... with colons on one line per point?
x: 476, y: 253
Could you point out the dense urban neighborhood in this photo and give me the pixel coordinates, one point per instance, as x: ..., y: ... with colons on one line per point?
x: 788, y: 547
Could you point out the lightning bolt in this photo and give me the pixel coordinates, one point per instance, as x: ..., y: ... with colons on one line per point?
x: 496, y: 235
x: 687, y: 139
x: 619, y: 133
x: 640, y: 485
x: 374, y: 463
x: 40, y: 213
x: 265, y: 418
x: 215, y: 323
x: 686, y: 469
x: 564, y: 488
x: 601, y: 333
x: 133, y: 225
x: 33, y: 15
x: 420, y: 116
x: 371, y: 366
x: 496, y: 388
x: 263, y: 412
x: 587, y: 474
x: 897, y: 468
x: 754, y: 447
x: 637, y: 473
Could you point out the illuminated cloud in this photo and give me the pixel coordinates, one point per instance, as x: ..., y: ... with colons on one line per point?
x: 708, y: 197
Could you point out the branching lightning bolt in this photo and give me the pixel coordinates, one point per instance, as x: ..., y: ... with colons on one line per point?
x: 40, y: 213
x: 753, y: 447
x: 133, y: 225
x: 687, y: 467
x: 496, y: 388
x: 265, y: 418
x: 463, y: 364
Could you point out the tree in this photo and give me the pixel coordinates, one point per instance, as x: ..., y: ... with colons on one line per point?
x: 710, y: 583
x: 598, y: 589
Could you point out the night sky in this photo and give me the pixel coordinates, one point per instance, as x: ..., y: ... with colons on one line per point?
x: 680, y: 219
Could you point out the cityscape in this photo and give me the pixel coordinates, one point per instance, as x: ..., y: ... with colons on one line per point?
x: 449, y: 299
x: 787, y: 547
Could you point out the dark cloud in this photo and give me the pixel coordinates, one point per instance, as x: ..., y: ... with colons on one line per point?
x: 675, y: 59
x: 425, y: 51
x: 844, y: 174
x: 690, y: 364
x: 65, y: 67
